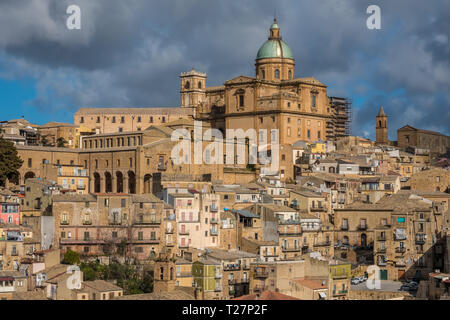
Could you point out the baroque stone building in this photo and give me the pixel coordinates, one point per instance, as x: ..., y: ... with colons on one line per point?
x: 272, y: 99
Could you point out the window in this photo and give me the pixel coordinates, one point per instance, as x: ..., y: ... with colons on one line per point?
x: 82, y: 120
x: 114, y: 234
x: 277, y: 73
x: 314, y: 102
x: 86, y: 249
x: 199, y: 84
x: 318, y: 134
x: 139, y: 119
x: 122, y: 119
x: 241, y: 101
x: 288, y: 131
x: 30, y: 162
x: 151, y: 120
x: 290, y: 74
x: 98, y: 120
x: 309, y: 133
x: 86, y: 235
x: 263, y: 73
x: 163, y: 119
x: 63, y: 234
x: 123, y: 202
x: 120, y: 129
x: 140, y: 235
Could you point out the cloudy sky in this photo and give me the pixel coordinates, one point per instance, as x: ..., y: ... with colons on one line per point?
x: 130, y: 53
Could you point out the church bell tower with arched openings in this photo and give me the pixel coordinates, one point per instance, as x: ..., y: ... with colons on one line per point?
x: 193, y: 89
x: 164, y: 274
x: 382, y: 128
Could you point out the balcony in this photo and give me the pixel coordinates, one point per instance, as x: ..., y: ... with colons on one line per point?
x: 246, y: 267
x: 81, y: 187
x: 380, y: 238
x: 261, y: 274
x: 290, y: 234
x: 14, y: 253
x: 213, y: 208
x: 232, y: 281
x: 340, y: 293
x: 169, y: 231
x: 115, y: 223
x: 344, y: 228
x: 218, y: 275
x: 214, y: 220
x: 162, y: 167
x: 87, y: 223
x: 183, y: 246
x: 339, y: 276
x: 183, y: 232
x: 381, y: 250
x: 322, y: 244
x: 147, y: 220
x: 361, y: 227
x: 400, y: 264
x: 382, y: 263
x: 420, y: 241
x: 146, y: 241
x: 231, y: 267
x: 170, y: 244
x: 64, y: 223
x: 318, y: 209
x: 214, y: 232
x: 294, y: 249
x: 400, y: 250
x: 218, y: 289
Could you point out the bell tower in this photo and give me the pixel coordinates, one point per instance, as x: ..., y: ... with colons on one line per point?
x: 164, y: 274
x: 193, y: 88
x: 382, y: 128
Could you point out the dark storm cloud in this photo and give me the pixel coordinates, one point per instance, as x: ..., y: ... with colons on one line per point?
x: 130, y: 53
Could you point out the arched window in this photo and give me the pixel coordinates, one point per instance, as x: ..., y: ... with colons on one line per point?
x: 290, y: 74
x: 187, y: 85
x: 199, y: 84
x: 263, y: 73
x: 277, y: 73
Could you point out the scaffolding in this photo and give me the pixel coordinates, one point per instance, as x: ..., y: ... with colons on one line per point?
x: 339, y: 125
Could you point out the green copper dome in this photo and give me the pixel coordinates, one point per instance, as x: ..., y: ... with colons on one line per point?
x: 274, y: 48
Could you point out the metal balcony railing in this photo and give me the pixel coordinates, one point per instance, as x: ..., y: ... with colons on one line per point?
x: 261, y: 274
x: 400, y: 250
x: 213, y: 208
x: 322, y: 244
x: 232, y: 267
x: 214, y: 220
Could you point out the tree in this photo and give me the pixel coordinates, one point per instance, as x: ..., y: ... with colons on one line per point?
x: 61, y: 142
x: 10, y: 162
x: 45, y: 142
x: 71, y: 257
